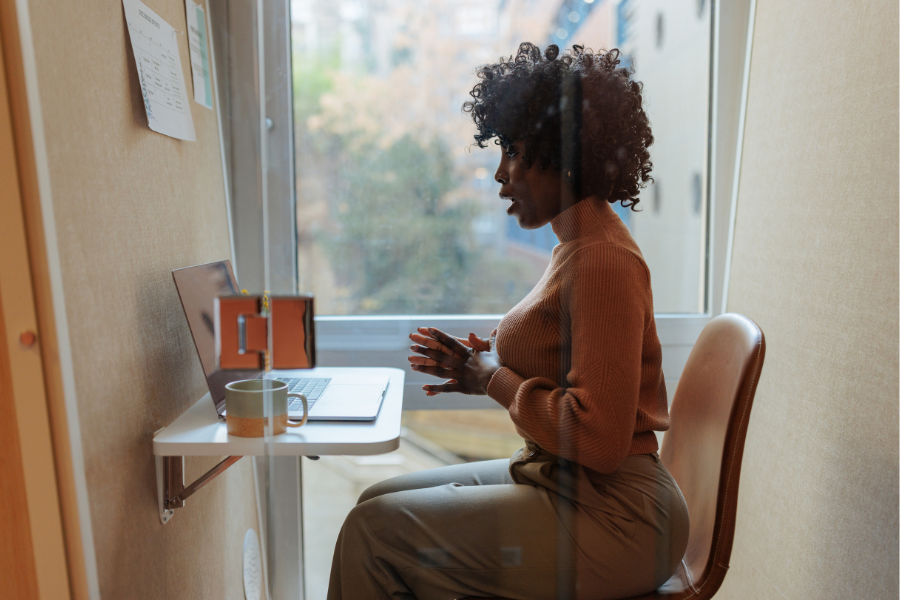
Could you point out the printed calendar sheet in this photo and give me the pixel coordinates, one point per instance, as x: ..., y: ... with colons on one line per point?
x: 155, y: 46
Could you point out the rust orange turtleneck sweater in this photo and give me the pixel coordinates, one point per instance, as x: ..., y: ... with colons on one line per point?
x: 582, y: 365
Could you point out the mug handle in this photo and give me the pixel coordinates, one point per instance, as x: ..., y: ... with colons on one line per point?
x: 291, y: 423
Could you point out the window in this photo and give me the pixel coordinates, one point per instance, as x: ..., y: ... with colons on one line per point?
x: 398, y: 213
x: 398, y: 219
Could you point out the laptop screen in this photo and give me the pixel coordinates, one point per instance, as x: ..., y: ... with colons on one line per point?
x: 198, y: 288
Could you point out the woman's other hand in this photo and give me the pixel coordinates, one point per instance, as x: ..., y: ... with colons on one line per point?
x: 469, y: 364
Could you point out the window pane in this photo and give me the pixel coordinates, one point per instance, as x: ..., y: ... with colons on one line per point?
x: 398, y: 213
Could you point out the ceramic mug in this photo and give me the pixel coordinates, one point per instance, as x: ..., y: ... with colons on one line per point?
x: 244, y: 407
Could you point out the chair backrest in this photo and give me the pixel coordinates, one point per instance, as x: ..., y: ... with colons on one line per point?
x: 705, y: 443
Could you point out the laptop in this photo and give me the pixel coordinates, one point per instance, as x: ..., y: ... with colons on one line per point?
x: 350, y: 397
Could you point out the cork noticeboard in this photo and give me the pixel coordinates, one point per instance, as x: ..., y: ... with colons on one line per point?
x: 130, y: 205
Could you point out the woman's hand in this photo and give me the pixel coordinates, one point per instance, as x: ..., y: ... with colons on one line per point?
x: 469, y: 364
x: 424, y: 338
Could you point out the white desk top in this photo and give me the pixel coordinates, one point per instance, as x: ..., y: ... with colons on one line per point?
x: 199, y: 432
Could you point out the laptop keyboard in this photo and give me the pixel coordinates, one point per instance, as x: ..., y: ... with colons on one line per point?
x: 311, y: 387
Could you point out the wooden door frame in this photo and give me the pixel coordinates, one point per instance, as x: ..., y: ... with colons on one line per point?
x: 52, y: 560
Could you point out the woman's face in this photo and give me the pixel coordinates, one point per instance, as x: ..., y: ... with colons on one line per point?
x: 535, y: 193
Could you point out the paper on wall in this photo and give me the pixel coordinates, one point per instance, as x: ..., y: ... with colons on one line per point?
x: 196, y: 23
x: 159, y: 69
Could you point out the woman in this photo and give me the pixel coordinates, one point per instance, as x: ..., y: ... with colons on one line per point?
x: 585, y: 509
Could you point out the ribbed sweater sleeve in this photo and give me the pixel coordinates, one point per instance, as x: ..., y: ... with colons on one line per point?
x: 603, y: 303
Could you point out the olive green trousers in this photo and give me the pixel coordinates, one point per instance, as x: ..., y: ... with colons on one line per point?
x: 536, y: 527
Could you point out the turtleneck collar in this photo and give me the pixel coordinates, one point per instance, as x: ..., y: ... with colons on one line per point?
x: 586, y: 216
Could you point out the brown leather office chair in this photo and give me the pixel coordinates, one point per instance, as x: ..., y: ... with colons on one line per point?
x: 704, y: 447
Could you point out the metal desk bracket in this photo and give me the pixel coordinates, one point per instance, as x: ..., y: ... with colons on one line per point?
x: 170, y: 489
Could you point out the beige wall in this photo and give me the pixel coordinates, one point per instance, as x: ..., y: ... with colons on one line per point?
x: 816, y: 264
x: 129, y: 205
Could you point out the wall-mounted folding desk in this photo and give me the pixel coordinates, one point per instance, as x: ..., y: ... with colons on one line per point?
x: 200, y: 432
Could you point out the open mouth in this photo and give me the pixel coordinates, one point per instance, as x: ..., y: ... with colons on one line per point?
x: 512, y: 205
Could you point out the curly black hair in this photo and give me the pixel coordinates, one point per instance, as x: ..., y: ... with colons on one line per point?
x: 580, y: 112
